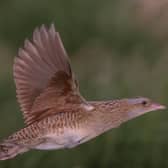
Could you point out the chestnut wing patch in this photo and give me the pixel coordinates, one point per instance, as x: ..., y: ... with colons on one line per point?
x: 60, y: 94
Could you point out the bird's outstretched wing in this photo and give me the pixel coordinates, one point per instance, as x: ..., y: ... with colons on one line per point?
x: 43, y: 75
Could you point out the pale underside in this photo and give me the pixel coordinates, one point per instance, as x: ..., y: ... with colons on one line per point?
x: 69, y: 139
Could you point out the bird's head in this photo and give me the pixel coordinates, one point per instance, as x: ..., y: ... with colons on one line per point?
x: 141, y: 105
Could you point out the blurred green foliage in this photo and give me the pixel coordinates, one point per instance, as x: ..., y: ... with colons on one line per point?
x: 118, y: 49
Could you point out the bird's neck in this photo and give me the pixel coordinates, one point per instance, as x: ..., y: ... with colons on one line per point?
x: 108, y: 114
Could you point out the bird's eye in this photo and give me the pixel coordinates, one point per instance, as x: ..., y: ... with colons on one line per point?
x: 144, y: 103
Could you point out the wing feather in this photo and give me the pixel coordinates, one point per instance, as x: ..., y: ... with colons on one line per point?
x: 37, y: 63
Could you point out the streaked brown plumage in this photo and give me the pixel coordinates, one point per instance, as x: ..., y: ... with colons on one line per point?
x: 55, y: 114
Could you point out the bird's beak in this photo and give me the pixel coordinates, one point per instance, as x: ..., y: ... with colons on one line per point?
x: 157, y: 106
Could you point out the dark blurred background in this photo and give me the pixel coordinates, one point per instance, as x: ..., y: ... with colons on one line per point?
x: 117, y: 49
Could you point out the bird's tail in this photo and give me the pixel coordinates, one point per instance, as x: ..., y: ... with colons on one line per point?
x: 9, y: 150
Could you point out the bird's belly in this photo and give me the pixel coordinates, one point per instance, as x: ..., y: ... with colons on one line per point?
x: 48, y: 146
x: 69, y: 139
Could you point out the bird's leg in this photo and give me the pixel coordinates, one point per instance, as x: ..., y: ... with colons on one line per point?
x: 74, y: 144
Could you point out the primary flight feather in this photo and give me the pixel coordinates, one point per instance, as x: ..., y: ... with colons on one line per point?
x: 55, y: 114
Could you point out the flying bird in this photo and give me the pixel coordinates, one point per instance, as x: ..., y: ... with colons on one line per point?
x: 55, y: 114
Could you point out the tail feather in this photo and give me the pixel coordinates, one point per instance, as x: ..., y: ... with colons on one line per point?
x: 9, y: 150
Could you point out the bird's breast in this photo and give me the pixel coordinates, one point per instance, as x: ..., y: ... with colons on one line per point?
x: 68, y: 139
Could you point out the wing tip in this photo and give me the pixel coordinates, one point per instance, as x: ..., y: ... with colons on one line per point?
x: 50, y: 28
x: 44, y: 29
